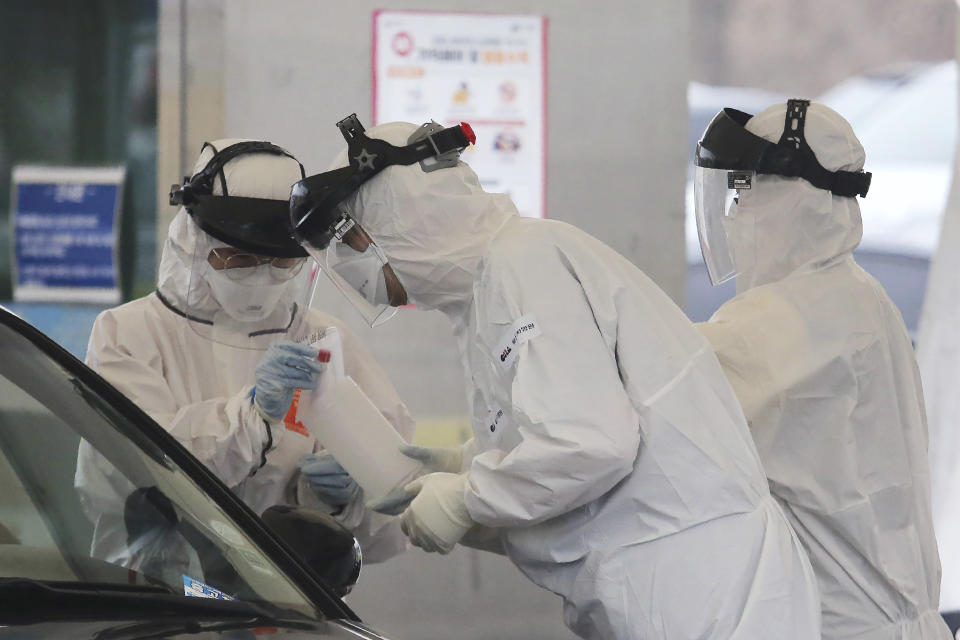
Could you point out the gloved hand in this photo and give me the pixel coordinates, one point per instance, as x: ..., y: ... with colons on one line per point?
x: 331, y: 481
x: 284, y: 367
x: 432, y: 460
x: 437, y: 518
x: 435, y: 459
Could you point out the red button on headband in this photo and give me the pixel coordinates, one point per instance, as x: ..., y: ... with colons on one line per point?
x: 468, y: 131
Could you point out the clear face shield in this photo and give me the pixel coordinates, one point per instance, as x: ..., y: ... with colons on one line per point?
x: 246, y: 300
x: 716, y: 196
x: 360, y: 270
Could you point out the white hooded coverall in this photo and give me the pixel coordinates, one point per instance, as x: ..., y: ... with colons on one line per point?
x: 199, y: 389
x: 613, y: 455
x: 823, y: 367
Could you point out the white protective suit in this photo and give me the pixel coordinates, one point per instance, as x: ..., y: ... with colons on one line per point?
x: 823, y: 367
x: 199, y: 389
x: 613, y: 456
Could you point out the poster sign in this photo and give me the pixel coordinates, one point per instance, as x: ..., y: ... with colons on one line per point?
x: 485, y: 69
x: 64, y: 223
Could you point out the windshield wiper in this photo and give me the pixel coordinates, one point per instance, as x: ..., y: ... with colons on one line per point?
x: 25, y: 601
x: 162, y: 629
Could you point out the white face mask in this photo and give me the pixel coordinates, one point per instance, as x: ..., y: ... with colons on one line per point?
x: 253, y: 298
x: 364, y: 271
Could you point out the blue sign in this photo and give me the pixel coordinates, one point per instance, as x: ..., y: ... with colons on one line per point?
x: 65, y: 234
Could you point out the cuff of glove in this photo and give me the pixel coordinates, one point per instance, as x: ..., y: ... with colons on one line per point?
x: 437, y: 519
x: 434, y: 533
x: 262, y: 414
x: 270, y: 434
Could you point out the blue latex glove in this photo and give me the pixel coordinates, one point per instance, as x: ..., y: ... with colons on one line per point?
x: 284, y: 367
x: 331, y: 481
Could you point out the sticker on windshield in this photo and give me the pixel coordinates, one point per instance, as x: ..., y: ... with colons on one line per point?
x: 196, y: 589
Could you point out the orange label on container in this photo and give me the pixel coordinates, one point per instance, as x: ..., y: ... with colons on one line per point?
x: 290, y: 420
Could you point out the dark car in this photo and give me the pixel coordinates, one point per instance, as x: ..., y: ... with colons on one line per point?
x: 110, y: 529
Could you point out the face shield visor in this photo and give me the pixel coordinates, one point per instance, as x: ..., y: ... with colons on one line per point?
x: 728, y: 160
x: 359, y: 269
x: 250, y: 281
x: 347, y: 254
x: 713, y: 197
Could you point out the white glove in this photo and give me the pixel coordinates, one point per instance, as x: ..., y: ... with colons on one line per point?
x: 432, y: 460
x: 435, y: 459
x: 437, y: 518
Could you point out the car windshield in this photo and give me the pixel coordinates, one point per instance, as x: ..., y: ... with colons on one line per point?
x: 87, y: 497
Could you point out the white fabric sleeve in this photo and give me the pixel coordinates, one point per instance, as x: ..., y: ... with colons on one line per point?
x: 468, y: 450
x: 760, y: 368
x: 484, y: 538
x: 580, y: 432
x: 226, y: 434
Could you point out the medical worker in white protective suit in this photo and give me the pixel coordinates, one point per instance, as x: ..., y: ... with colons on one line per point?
x: 215, y: 354
x: 610, y: 459
x: 822, y: 364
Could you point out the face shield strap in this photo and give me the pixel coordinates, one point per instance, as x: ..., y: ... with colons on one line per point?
x: 201, y: 183
x: 803, y: 161
x: 258, y: 225
x: 726, y: 144
x: 314, y: 200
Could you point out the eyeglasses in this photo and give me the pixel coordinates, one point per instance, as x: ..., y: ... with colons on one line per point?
x: 239, y: 266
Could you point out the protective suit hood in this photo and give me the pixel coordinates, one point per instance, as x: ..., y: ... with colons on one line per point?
x: 254, y: 176
x: 786, y: 225
x: 433, y: 226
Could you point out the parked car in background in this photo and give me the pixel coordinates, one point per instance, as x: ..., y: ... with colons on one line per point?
x: 173, y: 552
x: 906, y: 119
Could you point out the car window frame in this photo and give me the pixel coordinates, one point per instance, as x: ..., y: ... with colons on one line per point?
x: 276, y: 549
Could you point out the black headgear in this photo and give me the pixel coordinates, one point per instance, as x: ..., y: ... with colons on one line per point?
x: 259, y: 225
x: 314, y: 200
x: 726, y: 144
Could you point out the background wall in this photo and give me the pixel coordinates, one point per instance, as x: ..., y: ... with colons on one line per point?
x: 775, y: 45
x: 288, y: 71
x: 78, y: 89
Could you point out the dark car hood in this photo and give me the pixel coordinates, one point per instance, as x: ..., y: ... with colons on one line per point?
x: 189, y: 630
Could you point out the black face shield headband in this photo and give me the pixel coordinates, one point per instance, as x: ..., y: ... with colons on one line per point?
x: 258, y: 225
x: 313, y: 201
x: 726, y: 144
